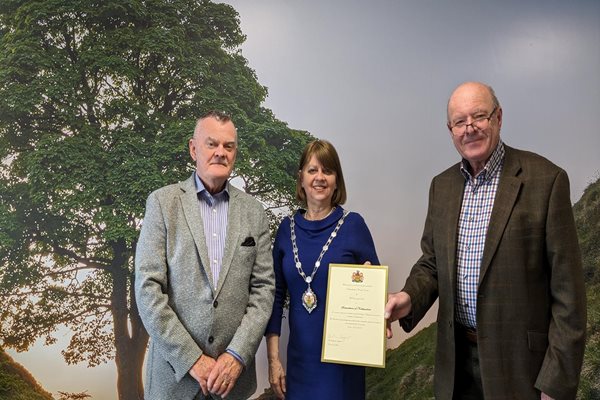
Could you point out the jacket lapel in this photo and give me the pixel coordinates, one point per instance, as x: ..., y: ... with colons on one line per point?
x: 232, y: 237
x: 506, y: 196
x: 454, y: 195
x: 191, y: 210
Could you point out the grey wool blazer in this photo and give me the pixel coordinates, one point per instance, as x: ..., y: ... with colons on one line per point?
x: 531, y: 308
x: 185, y: 313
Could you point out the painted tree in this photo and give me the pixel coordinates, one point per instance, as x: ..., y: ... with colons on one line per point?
x: 97, y: 102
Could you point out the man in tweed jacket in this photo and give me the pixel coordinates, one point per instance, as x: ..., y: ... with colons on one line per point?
x: 500, y: 251
x: 204, y: 280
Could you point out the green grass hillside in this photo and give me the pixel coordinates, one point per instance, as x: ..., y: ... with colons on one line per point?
x: 408, y: 372
x: 16, y: 383
x: 587, y: 217
x: 409, y: 368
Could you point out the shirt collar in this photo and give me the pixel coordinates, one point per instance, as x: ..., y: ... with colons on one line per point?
x: 491, y: 167
x: 204, y: 194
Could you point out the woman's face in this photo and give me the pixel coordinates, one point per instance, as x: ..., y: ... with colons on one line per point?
x: 318, y: 182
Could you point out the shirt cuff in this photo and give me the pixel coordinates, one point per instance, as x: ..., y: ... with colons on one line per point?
x: 236, y: 356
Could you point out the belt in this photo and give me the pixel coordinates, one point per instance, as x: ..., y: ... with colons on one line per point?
x: 467, y: 333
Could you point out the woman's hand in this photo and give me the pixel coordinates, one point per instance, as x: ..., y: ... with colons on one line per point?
x: 277, y: 377
x: 276, y: 371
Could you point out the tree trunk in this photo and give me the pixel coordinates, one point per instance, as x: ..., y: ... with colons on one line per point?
x: 130, y: 344
x: 129, y: 371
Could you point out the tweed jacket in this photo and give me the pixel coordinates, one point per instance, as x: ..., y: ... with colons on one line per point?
x: 185, y: 313
x: 531, y: 311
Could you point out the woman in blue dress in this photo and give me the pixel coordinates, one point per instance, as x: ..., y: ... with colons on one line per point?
x: 305, y: 244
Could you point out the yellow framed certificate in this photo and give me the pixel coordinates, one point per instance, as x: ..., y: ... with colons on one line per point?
x: 354, y: 329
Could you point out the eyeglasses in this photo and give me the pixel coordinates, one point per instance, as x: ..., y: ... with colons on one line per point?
x: 479, y: 122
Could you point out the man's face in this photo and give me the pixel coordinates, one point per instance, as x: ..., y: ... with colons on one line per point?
x: 214, y: 148
x: 470, y: 104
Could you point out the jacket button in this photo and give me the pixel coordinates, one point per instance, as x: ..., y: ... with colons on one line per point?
x: 211, y: 339
x: 215, y: 304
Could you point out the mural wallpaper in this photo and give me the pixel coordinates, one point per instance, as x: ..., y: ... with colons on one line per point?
x: 98, y: 100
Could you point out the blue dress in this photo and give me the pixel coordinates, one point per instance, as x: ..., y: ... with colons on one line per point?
x: 306, y: 376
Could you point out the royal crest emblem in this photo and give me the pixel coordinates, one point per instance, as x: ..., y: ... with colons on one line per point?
x: 357, y: 277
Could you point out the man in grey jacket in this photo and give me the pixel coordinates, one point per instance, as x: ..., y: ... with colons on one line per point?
x: 204, y: 278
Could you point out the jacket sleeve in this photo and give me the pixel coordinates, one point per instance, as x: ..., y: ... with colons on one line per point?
x: 363, y: 244
x: 151, y: 293
x: 559, y: 375
x: 422, y: 283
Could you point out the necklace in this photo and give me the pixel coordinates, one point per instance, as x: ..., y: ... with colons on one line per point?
x: 309, y: 298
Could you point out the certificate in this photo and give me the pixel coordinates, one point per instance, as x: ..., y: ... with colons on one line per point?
x: 354, y: 330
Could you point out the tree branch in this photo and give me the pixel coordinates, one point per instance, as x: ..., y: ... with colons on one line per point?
x: 88, y: 262
x: 40, y: 293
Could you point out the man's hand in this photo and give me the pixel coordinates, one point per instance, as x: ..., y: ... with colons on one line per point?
x: 224, y: 375
x: 398, y: 306
x: 546, y: 397
x: 201, y: 370
x: 277, y: 378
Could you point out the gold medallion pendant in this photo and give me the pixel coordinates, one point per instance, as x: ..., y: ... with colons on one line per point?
x: 309, y: 300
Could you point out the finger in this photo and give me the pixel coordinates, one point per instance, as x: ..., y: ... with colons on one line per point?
x: 219, y: 387
x: 222, y: 384
x: 277, y: 389
x: 210, y: 379
x: 211, y: 382
x: 228, y: 383
x: 275, y: 383
x: 227, y: 390
x: 389, y: 308
x: 388, y: 329
x: 203, y: 387
x: 223, y: 389
x: 283, y: 390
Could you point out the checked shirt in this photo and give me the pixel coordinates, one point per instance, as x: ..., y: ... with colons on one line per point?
x: 477, y: 204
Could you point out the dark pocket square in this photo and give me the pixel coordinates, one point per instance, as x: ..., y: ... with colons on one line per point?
x: 249, y: 241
